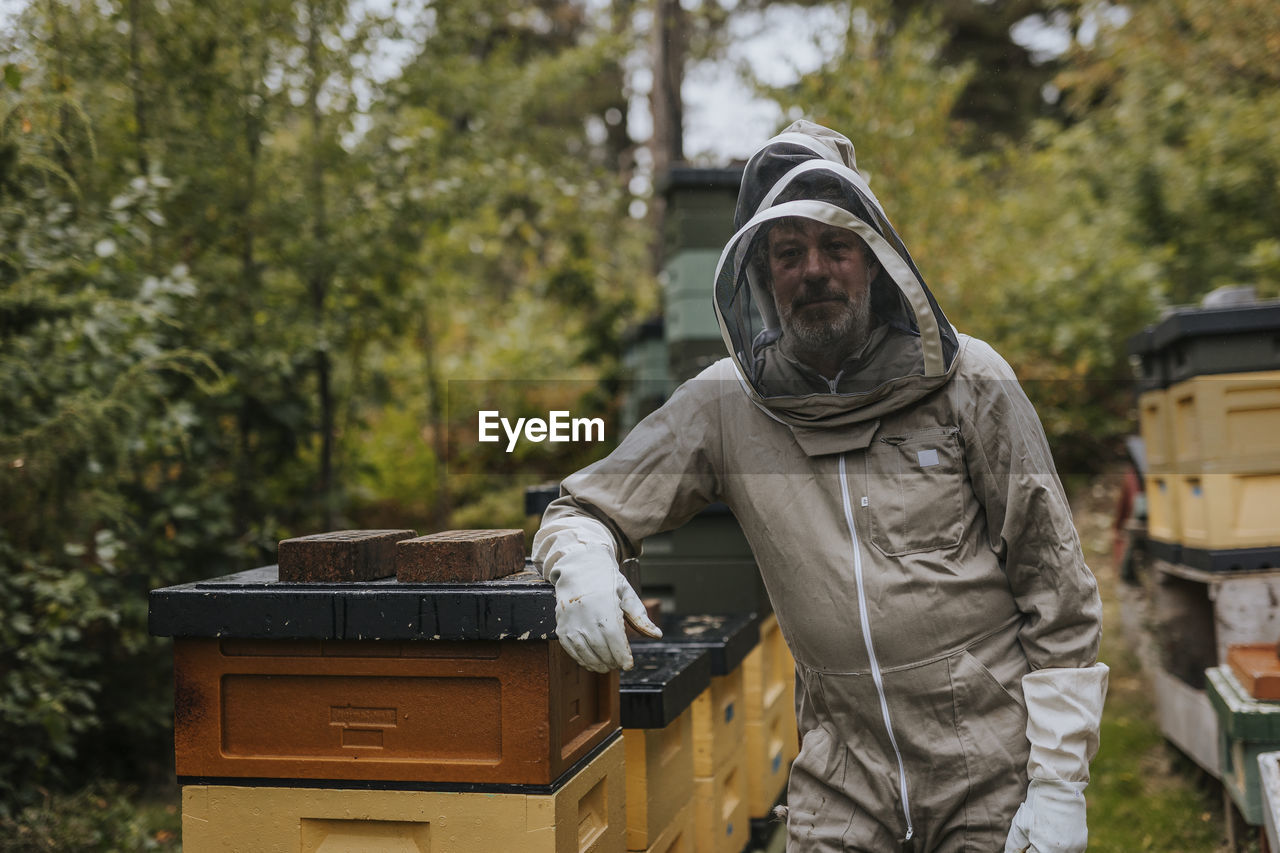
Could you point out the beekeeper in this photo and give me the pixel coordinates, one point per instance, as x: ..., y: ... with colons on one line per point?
x: 899, y: 496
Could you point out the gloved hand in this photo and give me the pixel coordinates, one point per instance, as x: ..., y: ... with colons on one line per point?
x: 1051, y: 819
x: 1064, y: 712
x: 592, y: 598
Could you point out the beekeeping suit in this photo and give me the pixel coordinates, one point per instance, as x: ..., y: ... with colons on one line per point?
x: 911, y: 531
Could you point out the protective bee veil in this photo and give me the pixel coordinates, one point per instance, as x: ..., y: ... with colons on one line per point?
x: 807, y: 175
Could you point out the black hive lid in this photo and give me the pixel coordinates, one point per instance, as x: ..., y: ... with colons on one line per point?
x: 255, y: 605
x: 1197, y: 322
x: 729, y: 637
x: 664, y: 682
x: 538, y: 498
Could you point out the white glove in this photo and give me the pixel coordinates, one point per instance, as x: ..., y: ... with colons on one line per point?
x: 1064, y: 712
x: 1052, y: 818
x: 592, y: 597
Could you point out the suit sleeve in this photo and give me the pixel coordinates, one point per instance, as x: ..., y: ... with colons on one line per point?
x: 1029, y: 522
x: 660, y: 476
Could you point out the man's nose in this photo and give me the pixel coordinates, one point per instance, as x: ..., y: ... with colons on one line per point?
x: 815, y: 263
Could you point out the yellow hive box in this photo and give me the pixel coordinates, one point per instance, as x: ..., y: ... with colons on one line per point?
x: 768, y: 673
x: 1225, y: 511
x: 1164, y: 522
x: 678, y: 837
x: 659, y: 772
x: 718, y: 723
x: 1155, y: 423
x: 585, y: 815
x: 772, y: 744
x: 720, y: 819
x: 1228, y: 423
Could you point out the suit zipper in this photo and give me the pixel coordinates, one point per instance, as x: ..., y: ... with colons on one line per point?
x: 871, y: 652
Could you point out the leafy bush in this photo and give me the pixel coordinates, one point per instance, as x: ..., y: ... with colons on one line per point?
x: 100, y: 818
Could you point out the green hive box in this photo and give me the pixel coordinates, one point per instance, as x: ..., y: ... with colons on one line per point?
x: 697, y: 224
x: 644, y: 360
x: 700, y: 205
x: 1247, y: 728
x: 706, y: 566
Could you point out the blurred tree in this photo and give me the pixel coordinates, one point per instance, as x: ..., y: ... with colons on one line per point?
x: 1157, y: 188
x: 335, y: 251
x: 514, y: 254
x: 1017, y: 249
x: 1004, y: 93
x: 89, y: 354
x: 1178, y: 111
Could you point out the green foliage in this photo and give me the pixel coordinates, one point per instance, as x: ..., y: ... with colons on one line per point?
x: 89, y: 352
x: 238, y: 271
x: 511, y: 251
x: 1058, y: 248
x: 1177, y: 112
x: 99, y: 817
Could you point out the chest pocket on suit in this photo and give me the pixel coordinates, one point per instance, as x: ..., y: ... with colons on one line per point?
x: 915, y: 491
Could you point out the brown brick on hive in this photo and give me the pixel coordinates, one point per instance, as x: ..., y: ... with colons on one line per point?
x: 341, y: 556
x: 460, y: 556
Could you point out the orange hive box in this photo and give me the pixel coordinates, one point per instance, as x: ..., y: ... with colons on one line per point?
x: 497, y: 712
x: 379, y: 681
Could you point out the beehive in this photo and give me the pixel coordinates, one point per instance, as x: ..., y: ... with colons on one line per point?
x: 719, y: 732
x: 1155, y: 423
x: 581, y: 813
x: 770, y: 722
x: 1163, y: 519
x: 1218, y: 511
x: 721, y: 822
x: 768, y: 672
x: 659, y: 764
x: 718, y: 712
x: 1246, y: 729
x: 772, y: 744
x: 657, y: 718
x: 1226, y: 423
x: 679, y: 835
x: 344, y: 685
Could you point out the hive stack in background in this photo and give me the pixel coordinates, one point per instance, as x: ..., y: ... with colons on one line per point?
x: 1247, y: 728
x: 772, y: 739
x: 387, y: 716
x: 697, y: 224
x: 657, y: 729
x: 720, y: 768
x: 1209, y: 414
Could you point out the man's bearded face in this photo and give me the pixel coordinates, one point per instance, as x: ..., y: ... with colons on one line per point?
x: 820, y: 278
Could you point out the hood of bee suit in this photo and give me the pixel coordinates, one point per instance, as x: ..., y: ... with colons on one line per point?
x: 809, y: 172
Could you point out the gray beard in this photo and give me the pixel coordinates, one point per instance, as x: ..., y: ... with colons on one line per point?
x: 843, y: 332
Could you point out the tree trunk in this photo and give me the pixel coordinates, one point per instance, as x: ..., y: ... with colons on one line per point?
x: 246, y: 470
x: 668, y: 51
x: 668, y: 48
x: 436, y: 419
x: 135, y: 82
x: 320, y: 274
